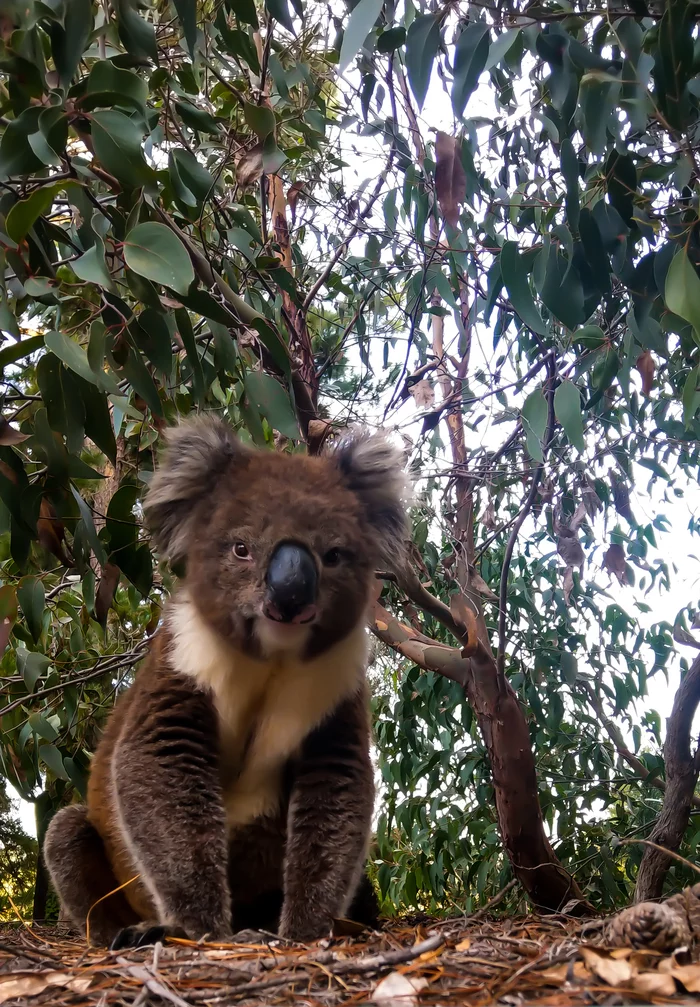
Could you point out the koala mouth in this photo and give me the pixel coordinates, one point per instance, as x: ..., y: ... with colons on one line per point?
x: 302, y: 618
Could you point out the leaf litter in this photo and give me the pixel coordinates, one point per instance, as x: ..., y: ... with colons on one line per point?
x: 538, y: 960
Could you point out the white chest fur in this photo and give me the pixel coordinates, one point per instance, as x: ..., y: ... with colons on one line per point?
x: 266, y: 707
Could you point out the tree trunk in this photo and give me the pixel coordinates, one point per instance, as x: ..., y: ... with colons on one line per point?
x: 681, y: 779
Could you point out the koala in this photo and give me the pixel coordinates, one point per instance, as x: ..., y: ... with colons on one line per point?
x: 232, y: 788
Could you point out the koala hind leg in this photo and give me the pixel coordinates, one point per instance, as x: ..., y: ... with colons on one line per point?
x: 81, y: 874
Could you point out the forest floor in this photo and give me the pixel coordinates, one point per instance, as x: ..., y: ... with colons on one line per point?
x: 469, y: 961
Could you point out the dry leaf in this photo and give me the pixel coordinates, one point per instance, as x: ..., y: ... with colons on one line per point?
x: 579, y: 517
x: 450, y: 180
x: 30, y: 984
x: 479, y: 584
x: 614, y: 563
x: 293, y: 193
x: 569, y: 548
x: 654, y: 984
x: 423, y: 393
x: 249, y: 165
x: 611, y: 971
x: 398, y: 990
x: 105, y: 592
x: 560, y: 973
x: 51, y: 532
x: 489, y: 518
x: 463, y: 945
x: 646, y: 367
x: 621, y: 499
x: 592, y: 501
x: 568, y: 583
x: 8, y: 434
x: 689, y: 975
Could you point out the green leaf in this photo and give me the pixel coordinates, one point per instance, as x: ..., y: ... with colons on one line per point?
x: 279, y: 10
x: 570, y: 171
x: 40, y: 725
x: 197, y: 119
x: 108, y: 81
x: 32, y: 666
x: 78, y: 776
x: 187, y: 13
x: 273, y: 158
x: 91, y: 531
x: 76, y: 359
x: 16, y: 155
x: 21, y: 218
x: 260, y: 118
x: 569, y: 667
x: 52, y: 758
x: 184, y: 326
x: 514, y: 275
x: 391, y: 39
x: 192, y: 174
x: 422, y: 43
x: 360, y: 24
x: 154, y: 251
x: 691, y: 396
x: 471, y: 53
x: 31, y: 600
x: 534, y: 416
x: 137, y: 35
x: 682, y: 293
x: 562, y: 291
x: 117, y: 142
x: 272, y: 402
x: 91, y: 265
x: 68, y: 42
x: 567, y: 409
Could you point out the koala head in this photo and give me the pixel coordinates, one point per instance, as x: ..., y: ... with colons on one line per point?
x: 280, y: 550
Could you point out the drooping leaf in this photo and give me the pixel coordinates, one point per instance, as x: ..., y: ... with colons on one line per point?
x: 76, y: 359
x: 31, y: 599
x: 260, y: 118
x: 450, y: 179
x: 534, y: 416
x: 514, y: 275
x: 279, y: 10
x: 567, y: 409
x: 682, y: 291
x: 272, y: 402
x: 69, y: 40
x: 360, y: 24
x: 471, y: 53
x: 422, y: 41
x: 187, y: 13
x: 52, y: 758
x: 32, y: 666
x: 25, y: 212
x: 117, y: 142
x: 136, y: 33
x: 154, y: 251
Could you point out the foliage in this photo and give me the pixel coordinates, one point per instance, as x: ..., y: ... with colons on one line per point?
x: 18, y: 853
x: 197, y: 212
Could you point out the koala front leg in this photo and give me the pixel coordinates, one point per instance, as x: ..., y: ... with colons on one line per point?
x: 329, y: 823
x: 165, y: 774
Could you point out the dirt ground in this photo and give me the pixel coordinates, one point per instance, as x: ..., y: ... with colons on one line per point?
x: 513, y: 961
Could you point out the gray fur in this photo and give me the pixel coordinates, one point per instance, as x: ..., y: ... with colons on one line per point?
x: 197, y: 452
x: 373, y: 469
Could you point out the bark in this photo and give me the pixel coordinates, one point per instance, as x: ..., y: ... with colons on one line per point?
x: 681, y: 779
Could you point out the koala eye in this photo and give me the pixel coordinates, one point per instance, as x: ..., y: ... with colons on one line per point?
x: 240, y: 551
x: 332, y: 557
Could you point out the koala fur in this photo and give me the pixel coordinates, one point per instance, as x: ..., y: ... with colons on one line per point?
x: 233, y: 786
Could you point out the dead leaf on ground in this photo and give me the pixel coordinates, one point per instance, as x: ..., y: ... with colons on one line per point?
x: 646, y: 367
x: 30, y: 984
x: 9, y: 435
x: 612, y: 971
x: 463, y: 945
x: 450, y: 179
x: 614, y: 562
x: 398, y: 990
x: 689, y: 975
x: 423, y: 393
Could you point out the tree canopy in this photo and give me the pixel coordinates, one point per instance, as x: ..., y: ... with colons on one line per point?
x: 475, y: 223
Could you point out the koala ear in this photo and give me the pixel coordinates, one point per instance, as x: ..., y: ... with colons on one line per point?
x: 373, y: 469
x: 197, y: 452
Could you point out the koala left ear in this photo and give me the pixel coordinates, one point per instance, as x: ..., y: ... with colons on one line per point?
x: 373, y: 469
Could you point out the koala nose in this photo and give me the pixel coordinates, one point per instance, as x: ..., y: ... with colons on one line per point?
x: 292, y: 584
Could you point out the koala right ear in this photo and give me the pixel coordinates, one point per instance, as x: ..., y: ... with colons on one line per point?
x: 197, y: 452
